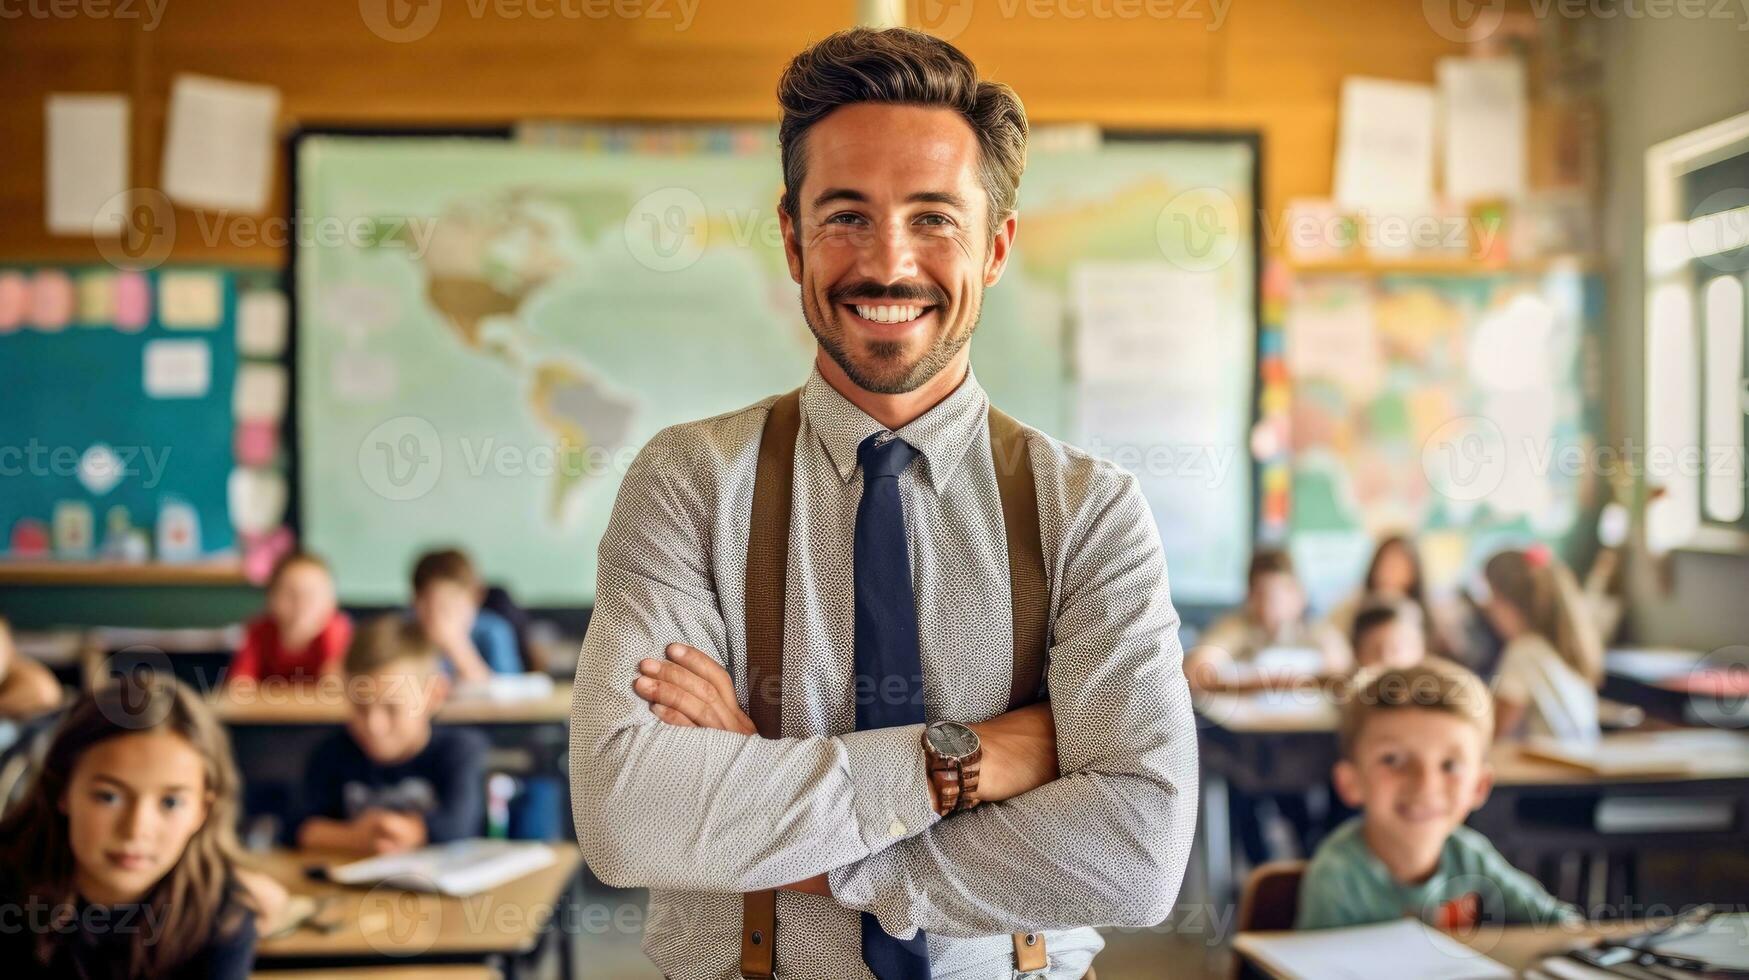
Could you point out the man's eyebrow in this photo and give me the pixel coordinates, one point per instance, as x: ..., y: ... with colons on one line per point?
x: 948, y: 198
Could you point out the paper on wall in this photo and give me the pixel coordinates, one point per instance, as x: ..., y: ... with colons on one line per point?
x: 85, y: 163
x: 1483, y: 112
x: 260, y: 393
x: 1384, y: 151
x: 1137, y: 321
x: 177, y: 368
x: 219, y: 149
x: 190, y: 300
x: 261, y: 323
x: 257, y: 499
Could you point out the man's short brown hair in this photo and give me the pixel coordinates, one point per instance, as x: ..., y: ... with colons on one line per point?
x: 386, y: 640
x: 1432, y: 685
x: 448, y: 565
x: 901, y: 67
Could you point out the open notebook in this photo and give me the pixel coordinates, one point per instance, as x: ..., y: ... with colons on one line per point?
x: 461, y: 867
x: 1387, y: 951
x: 1681, y: 752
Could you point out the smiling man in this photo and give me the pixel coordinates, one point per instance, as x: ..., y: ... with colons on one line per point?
x: 880, y: 682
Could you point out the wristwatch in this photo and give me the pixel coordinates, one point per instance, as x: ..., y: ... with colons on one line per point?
x: 954, y: 754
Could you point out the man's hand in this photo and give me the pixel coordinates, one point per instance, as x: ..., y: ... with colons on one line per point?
x: 1020, y: 752
x: 691, y: 690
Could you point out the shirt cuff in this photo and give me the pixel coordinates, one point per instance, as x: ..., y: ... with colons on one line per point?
x: 870, y: 885
x: 889, y: 780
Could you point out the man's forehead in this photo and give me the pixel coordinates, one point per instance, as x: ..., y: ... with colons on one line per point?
x: 880, y: 142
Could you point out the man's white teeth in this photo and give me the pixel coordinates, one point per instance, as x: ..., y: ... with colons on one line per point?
x: 888, y: 314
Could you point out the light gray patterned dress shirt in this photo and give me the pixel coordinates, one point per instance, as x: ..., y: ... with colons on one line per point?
x: 699, y: 816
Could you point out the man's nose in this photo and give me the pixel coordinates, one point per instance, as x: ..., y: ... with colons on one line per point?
x: 888, y: 254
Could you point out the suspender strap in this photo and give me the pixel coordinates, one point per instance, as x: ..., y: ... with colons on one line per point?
x: 767, y: 572
x: 1030, y: 596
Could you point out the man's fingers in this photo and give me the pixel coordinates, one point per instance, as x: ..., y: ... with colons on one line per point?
x: 671, y: 716
x: 671, y: 673
x: 703, y: 665
x: 676, y: 697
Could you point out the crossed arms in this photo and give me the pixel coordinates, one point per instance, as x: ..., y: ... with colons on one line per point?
x: 667, y: 800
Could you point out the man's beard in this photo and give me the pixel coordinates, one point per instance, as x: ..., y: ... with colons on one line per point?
x: 887, y: 374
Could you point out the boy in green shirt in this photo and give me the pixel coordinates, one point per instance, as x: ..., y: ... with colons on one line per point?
x: 1414, y: 747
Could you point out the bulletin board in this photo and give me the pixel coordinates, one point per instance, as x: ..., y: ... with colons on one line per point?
x: 120, y: 399
x: 526, y: 310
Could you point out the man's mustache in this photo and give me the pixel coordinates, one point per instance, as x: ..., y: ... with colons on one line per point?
x: 869, y: 292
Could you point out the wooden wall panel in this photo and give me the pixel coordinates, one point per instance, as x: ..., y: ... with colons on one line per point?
x: 1267, y: 65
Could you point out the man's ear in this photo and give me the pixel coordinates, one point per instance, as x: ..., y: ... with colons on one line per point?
x: 1000, y: 248
x: 1347, y: 776
x: 792, y: 245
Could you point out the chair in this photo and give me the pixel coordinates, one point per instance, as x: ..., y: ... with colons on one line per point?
x: 1269, y: 901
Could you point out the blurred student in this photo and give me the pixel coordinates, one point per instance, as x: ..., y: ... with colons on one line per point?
x: 122, y: 859
x: 391, y: 781
x: 303, y: 634
x: 1553, y: 662
x: 1414, y: 745
x: 1396, y: 573
x: 476, y: 642
x: 27, y: 688
x: 1274, y: 616
x: 1388, y: 635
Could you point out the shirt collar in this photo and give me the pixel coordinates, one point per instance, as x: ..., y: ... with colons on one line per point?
x: 940, y: 435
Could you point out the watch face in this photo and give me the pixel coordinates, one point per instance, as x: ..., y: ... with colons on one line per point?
x: 952, y: 739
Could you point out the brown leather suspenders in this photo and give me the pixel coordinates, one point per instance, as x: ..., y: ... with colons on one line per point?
x: 767, y: 571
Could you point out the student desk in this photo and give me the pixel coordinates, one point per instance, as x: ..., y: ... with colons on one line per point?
x: 1516, y: 947
x: 1539, y: 811
x: 385, y: 973
x: 502, y: 927
x: 1681, y: 687
x: 274, y: 729
x: 1262, y: 742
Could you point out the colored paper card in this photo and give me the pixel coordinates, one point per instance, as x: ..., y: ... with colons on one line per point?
x: 190, y: 300
x: 30, y: 538
x: 178, y: 368
x: 96, y: 299
x: 257, y: 499
x: 255, y: 442
x: 260, y: 393
x: 133, y: 302
x: 85, y: 164
x: 261, y: 552
x: 14, y: 300
x: 178, y: 530
x: 261, y: 323
x: 73, y: 530
x: 51, y: 300
x: 219, y: 149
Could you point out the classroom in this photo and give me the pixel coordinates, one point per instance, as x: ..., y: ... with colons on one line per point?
x: 482, y: 485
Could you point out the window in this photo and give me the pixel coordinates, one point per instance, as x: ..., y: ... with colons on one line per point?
x: 1697, y: 276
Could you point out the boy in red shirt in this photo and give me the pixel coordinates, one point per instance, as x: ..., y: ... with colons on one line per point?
x: 303, y: 635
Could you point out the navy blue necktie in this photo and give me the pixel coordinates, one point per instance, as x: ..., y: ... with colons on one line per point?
x: 889, y: 671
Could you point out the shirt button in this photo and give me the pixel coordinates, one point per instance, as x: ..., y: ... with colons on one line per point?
x: 897, y: 829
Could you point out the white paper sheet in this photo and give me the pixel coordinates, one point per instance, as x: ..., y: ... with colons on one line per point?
x: 261, y: 323
x: 1138, y: 321
x: 1482, y: 110
x: 260, y: 393
x: 1393, y: 951
x: 178, y: 368
x: 220, y: 147
x: 85, y: 163
x: 1384, y: 151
